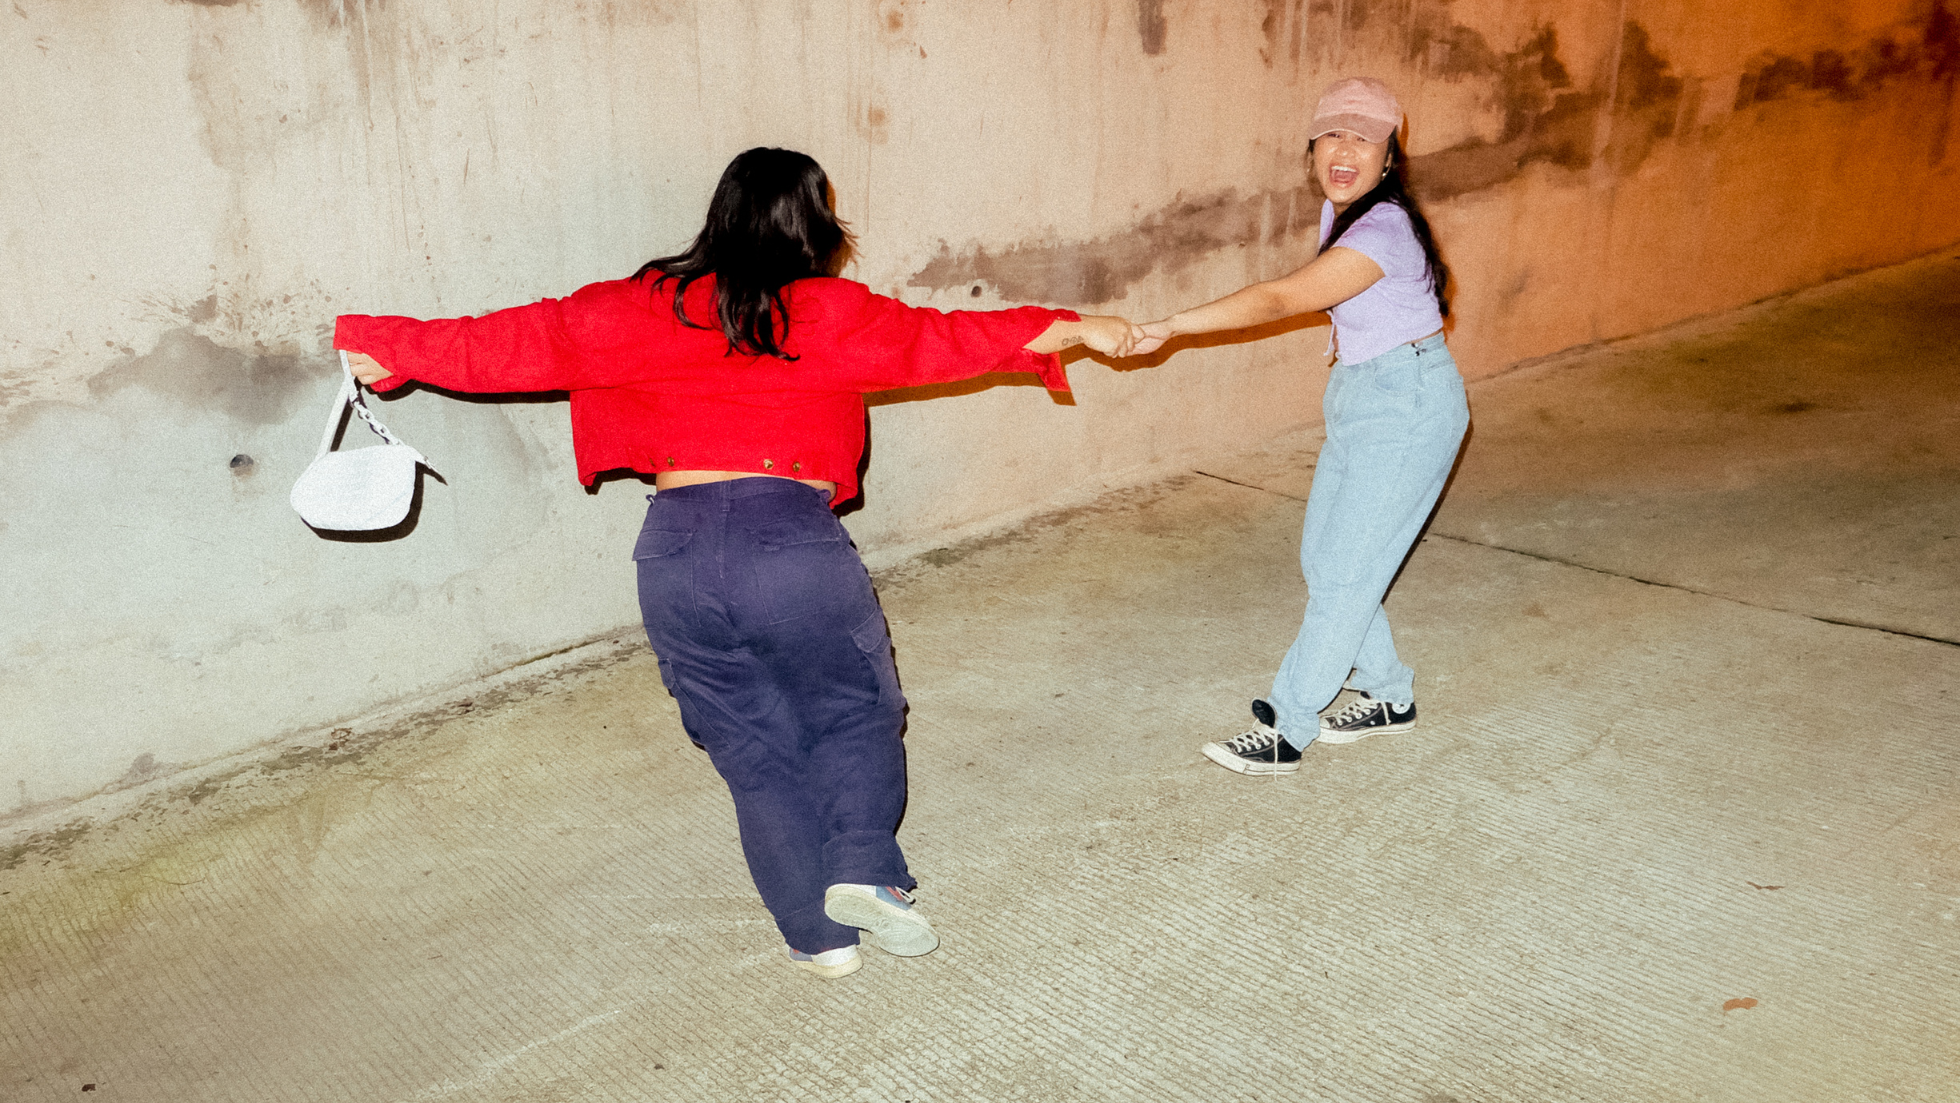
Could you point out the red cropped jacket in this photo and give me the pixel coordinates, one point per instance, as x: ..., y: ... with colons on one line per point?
x: 651, y: 394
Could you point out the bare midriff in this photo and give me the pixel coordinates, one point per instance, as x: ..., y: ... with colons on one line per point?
x: 668, y: 480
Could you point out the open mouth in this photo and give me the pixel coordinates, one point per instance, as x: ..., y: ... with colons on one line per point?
x: 1342, y: 176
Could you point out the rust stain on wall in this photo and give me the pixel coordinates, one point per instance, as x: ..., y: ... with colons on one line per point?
x: 895, y: 18
x: 1103, y: 270
x: 875, y: 126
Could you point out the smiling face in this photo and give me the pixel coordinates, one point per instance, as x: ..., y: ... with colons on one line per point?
x: 1347, y: 166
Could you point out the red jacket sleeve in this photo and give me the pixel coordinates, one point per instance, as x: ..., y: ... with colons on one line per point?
x: 619, y: 334
x: 888, y: 344
x: 565, y: 344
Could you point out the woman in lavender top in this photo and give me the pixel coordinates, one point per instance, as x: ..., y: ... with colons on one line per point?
x: 1395, y: 414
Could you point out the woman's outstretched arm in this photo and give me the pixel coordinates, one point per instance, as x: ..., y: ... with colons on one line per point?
x: 1105, y: 333
x: 549, y: 345
x: 875, y: 328
x: 1329, y: 279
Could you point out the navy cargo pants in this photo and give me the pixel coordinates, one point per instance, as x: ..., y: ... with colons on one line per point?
x: 773, y: 644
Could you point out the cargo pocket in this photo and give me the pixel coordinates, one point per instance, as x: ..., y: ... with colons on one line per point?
x: 674, y: 691
x: 876, y: 645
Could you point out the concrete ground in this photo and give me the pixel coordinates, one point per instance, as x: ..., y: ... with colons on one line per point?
x: 1679, y: 821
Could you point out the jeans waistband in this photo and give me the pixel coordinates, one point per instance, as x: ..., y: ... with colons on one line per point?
x: 733, y: 490
x: 1407, y: 352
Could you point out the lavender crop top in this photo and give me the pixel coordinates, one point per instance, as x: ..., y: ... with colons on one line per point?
x: 1400, y: 307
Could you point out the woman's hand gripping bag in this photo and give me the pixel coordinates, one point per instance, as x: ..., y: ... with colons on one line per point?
x: 361, y: 489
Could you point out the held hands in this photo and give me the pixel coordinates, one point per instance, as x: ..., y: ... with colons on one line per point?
x: 1154, y: 334
x: 1110, y: 335
x: 1119, y: 337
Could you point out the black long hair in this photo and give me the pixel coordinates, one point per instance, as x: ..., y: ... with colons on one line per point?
x: 769, y: 223
x: 1394, y: 189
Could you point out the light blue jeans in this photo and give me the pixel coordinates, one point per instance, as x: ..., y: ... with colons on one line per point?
x: 1394, y: 426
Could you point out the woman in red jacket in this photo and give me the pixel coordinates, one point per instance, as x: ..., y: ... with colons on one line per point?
x: 734, y: 373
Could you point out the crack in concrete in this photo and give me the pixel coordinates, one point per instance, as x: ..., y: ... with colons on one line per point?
x: 1866, y: 625
x: 1840, y: 622
x: 1252, y: 486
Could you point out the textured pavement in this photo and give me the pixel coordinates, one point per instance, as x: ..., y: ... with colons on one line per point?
x: 1679, y: 821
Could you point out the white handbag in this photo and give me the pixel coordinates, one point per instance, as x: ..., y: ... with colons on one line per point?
x: 362, y: 489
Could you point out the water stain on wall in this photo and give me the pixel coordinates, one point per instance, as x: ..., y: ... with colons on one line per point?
x: 333, y: 13
x: 1546, y: 119
x: 1102, y: 271
x: 617, y: 14
x: 253, y: 388
x: 1352, y: 15
x: 1646, y: 101
x: 1942, y: 43
x: 1445, y: 48
x: 1273, y: 27
x: 1549, y: 118
x: 1152, y: 26
x: 1863, y: 71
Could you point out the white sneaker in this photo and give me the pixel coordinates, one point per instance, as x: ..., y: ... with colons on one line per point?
x: 831, y: 964
x: 1263, y: 751
x: 885, y: 913
x: 1364, y: 716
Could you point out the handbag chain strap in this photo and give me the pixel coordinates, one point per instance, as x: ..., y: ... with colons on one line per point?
x: 359, y: 403
x: 350, y: 395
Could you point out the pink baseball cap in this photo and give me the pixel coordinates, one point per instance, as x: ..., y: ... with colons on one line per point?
x: 1361, y: 104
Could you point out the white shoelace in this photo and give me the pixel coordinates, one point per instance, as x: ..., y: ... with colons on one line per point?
x: 1258, y: 739
x: 1355, y: 710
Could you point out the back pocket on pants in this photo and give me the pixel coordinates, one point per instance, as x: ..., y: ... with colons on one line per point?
x: 660, y: 543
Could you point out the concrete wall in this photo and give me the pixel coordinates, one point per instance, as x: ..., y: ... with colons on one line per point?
x: 193, y: 189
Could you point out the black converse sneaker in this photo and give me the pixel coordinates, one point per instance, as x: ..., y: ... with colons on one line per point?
x: 1364, y: 716
x: 1263, y: 750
